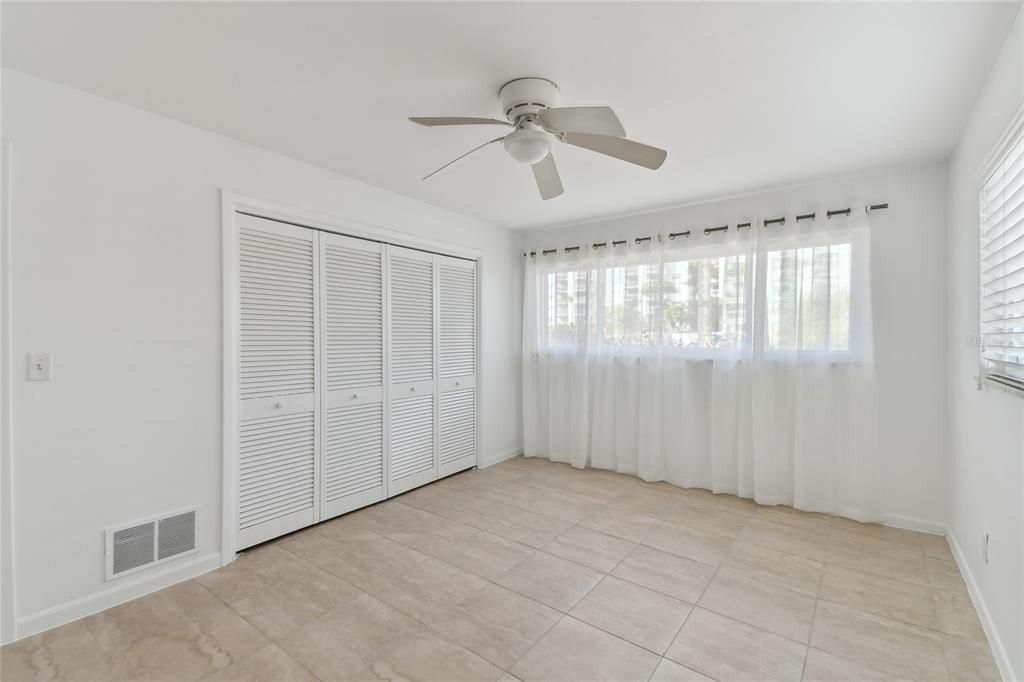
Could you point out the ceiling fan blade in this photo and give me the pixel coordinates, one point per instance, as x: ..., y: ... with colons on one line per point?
x: 592, y: 120
x: 431, y: 121
x: 545, y: 172
x: 497, y: 139
x: 618, y: 147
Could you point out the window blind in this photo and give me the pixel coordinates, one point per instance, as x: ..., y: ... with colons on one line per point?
x: 1002, y: 267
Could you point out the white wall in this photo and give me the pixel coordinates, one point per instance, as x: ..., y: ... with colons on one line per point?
x: 909, y: 296
x: 116, y: 230
x: 987, y: 493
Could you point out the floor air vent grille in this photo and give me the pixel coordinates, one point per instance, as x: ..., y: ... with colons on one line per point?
x: 133, y: 547
x: 177, y: 535
x: 143, y: 544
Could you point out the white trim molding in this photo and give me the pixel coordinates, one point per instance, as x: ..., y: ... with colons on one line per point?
x: 232, y: 201
x: 988, y: 625
x: 912, y: 523
x: 131, y: 587
x: 1002, y: 145
x: 8, y: 594
x: 230, y: 379
x: 491, y: 460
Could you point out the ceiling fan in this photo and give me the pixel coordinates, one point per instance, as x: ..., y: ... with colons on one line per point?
x: 529, y: 107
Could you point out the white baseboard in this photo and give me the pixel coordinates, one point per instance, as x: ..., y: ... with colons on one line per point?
x: 994, y: 640
x: 491, y: 460
x: 115, y: 593
x: 133, y: 587
x: 911, y: 523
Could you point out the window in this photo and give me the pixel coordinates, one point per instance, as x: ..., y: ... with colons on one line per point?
x: 628, y: 306
x: 808, y: 298
x: 709, y: 299
x: 1002, y: 267
x: 566, y: 307
x: 704, y: 302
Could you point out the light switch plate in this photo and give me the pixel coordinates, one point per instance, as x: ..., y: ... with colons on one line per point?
x: 40, y: 366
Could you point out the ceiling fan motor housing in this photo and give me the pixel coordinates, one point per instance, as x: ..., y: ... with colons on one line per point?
x: 527, y: 96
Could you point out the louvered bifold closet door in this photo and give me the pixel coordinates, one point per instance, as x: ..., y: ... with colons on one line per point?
x: 412, y: 364
x: 278, y: 379
x: 457, y: 448
x: 352, y: 470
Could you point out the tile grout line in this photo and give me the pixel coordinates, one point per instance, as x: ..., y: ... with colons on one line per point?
x: 737, y: 620
x: 814, y: 616
x: 845, y: 656
x: 931, y: 589
x: 521, y: 656
x: 675, y: 636
x: 256, y: 627
x: 945, y: 657
x: 678, y: 630
x: 695, y: 607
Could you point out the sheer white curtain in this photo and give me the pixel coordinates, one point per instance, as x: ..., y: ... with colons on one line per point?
x: 739, y: 362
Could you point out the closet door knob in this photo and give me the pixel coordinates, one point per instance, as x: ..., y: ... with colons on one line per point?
x: 278, y: 404
x: 355, y: 395
x: 413, y: 389
x: 458, y: 383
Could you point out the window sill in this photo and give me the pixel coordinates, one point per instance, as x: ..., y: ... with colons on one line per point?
x: 1006, y: 384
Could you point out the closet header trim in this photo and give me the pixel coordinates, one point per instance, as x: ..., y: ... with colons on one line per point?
x: 356, y: 236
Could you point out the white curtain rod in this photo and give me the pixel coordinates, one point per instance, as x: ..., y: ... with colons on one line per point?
x: 768, y: 222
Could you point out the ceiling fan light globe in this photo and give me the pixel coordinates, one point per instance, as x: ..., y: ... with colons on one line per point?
x: 528, y: 146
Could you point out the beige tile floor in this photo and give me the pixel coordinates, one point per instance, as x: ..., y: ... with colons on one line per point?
x: 535, y: 571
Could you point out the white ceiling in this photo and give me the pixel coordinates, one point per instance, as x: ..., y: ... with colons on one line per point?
x: 741, y: 95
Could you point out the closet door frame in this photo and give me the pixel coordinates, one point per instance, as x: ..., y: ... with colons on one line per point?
x: 233, y: 204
